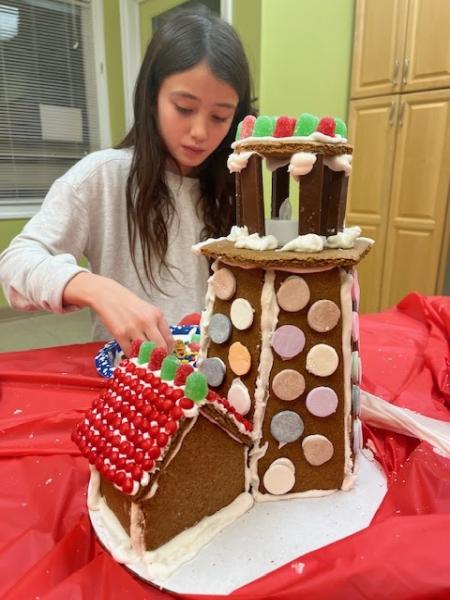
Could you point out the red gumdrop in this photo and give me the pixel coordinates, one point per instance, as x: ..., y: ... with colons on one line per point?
x: 158, y: 355
x: 284, y: 127
x: 134, y: 349
x: 247, y: 126
x: 194, y: 347
x: 182, y: 372
x: 327, y: 126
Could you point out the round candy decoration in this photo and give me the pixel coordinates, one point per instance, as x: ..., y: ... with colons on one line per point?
x: 239, y: 359
x: 279, y: 477
x: 224, y: 284
x: 355, y: 327
x: 323, y: 316
x: 288, y: 384
x: 286, y: 427
x: 219, y: 328
x: 241, y: 313
x: 293, y: 294
x: 239, y: 397
x: 214, y: 370
x: 288, y: 341
x: 321, y: 401
x: 356, y: 404
x: 322, y: 360
x: 317, y: 449
x: 357, y: 436
x: 356, y: 373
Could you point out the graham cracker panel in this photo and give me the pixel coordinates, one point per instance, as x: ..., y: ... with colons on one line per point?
x: 206, y: 474
x: 117, y: 501
x: 249, y: 283
x: 323, y: 285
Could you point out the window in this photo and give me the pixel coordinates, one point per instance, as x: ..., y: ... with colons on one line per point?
x: 49, y: 115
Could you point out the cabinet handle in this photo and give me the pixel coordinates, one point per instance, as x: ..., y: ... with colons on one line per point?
x: 391, y: 114
x: 401, y: 113
x: 395, y: 71
x: 405, y: 71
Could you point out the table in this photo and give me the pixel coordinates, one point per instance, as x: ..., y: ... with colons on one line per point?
x: 48, y: 549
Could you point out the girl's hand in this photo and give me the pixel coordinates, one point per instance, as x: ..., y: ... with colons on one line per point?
x: 125, y: 315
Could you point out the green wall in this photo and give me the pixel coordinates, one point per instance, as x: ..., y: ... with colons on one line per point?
x: 306, y: 56
x: 113, y: 51
x: 8, y: 230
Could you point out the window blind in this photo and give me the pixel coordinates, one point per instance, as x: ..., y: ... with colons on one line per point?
x: 48, y: 97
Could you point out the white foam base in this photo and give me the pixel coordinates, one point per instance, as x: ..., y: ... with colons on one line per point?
x: 274, y: 533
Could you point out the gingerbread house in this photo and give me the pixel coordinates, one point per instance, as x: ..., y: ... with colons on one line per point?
x: 269, y: 409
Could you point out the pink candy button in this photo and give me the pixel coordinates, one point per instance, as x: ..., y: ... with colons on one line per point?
x: 322, y: 401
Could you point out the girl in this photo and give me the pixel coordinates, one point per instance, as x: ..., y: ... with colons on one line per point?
x: 135, y: 211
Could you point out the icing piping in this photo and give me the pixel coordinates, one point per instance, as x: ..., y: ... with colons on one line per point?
x: 346, y: 311
x: 269, y: 319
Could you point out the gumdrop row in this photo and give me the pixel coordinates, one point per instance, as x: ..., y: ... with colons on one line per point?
x: 281, y: 127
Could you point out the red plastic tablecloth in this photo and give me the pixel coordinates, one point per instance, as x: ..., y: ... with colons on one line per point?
x: 47, y: 547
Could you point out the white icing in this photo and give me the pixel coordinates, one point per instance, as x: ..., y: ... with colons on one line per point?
x: 344, y: 239
x: 237, y: 233
x: 304, y: 243
x: 237, y: 162
x: 316, y: 136
x: 207, y: 313
x: 346, y: 311
x: 257, y: 242
x: 343, y: 162
x: 269, y: 319
x: 301, y: 164
x: 137, y: 528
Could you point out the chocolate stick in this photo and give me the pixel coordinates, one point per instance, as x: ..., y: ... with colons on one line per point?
x: 310, y: 191
x: 280, y: 190
x: 333, y: 202
x: 250, y: 204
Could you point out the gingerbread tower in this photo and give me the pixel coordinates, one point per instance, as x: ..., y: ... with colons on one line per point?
x: 280, y: 330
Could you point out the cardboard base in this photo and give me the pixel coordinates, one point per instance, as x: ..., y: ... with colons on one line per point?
x: 274, y: 533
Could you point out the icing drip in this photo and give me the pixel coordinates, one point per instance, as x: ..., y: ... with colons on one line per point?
x: 269, y: 319
x: 346, y: 311
x: 301, y: 164
x: 207, y: 313
x: 339, y: 163
x: 237, y: 162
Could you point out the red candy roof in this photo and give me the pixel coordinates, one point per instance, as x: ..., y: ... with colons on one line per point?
x: 131, y: 425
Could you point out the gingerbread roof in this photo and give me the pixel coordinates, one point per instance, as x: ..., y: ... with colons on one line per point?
x: 137, y: 420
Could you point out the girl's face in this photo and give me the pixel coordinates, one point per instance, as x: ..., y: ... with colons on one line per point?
x: 195, y: 112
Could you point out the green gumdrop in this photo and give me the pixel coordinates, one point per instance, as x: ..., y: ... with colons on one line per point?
x: 341, y: 127
x: 306, y: 124
x: 195, y: 337
x: 145, y: 352
x: 169, y: 366
x: 196, y: 387
x: 238, y: 132
x: 264, y: 126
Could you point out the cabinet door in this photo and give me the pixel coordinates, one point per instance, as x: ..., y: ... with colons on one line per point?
x: 378, y: 47
x: 372, y: 132
x: 420, y: 187
x: 427, y: 54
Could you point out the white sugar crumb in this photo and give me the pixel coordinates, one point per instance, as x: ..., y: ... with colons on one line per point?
x: 17, y: 411
x: 298, y: 567
x: 49, y: 480
x: 31, y: 436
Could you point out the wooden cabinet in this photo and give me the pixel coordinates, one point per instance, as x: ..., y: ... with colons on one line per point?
x: 399, y: 192
x: 399, y: 123
x: 400, y: 46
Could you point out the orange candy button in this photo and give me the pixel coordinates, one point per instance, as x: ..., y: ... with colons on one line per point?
x: 288, y: 384
x: 293, y: 294
x: 224, y: 284
x: 239, y: 359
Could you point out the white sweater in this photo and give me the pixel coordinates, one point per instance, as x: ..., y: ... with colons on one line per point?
x: 84, y: 213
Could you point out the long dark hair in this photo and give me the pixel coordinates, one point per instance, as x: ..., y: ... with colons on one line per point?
x: 179, y: 44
